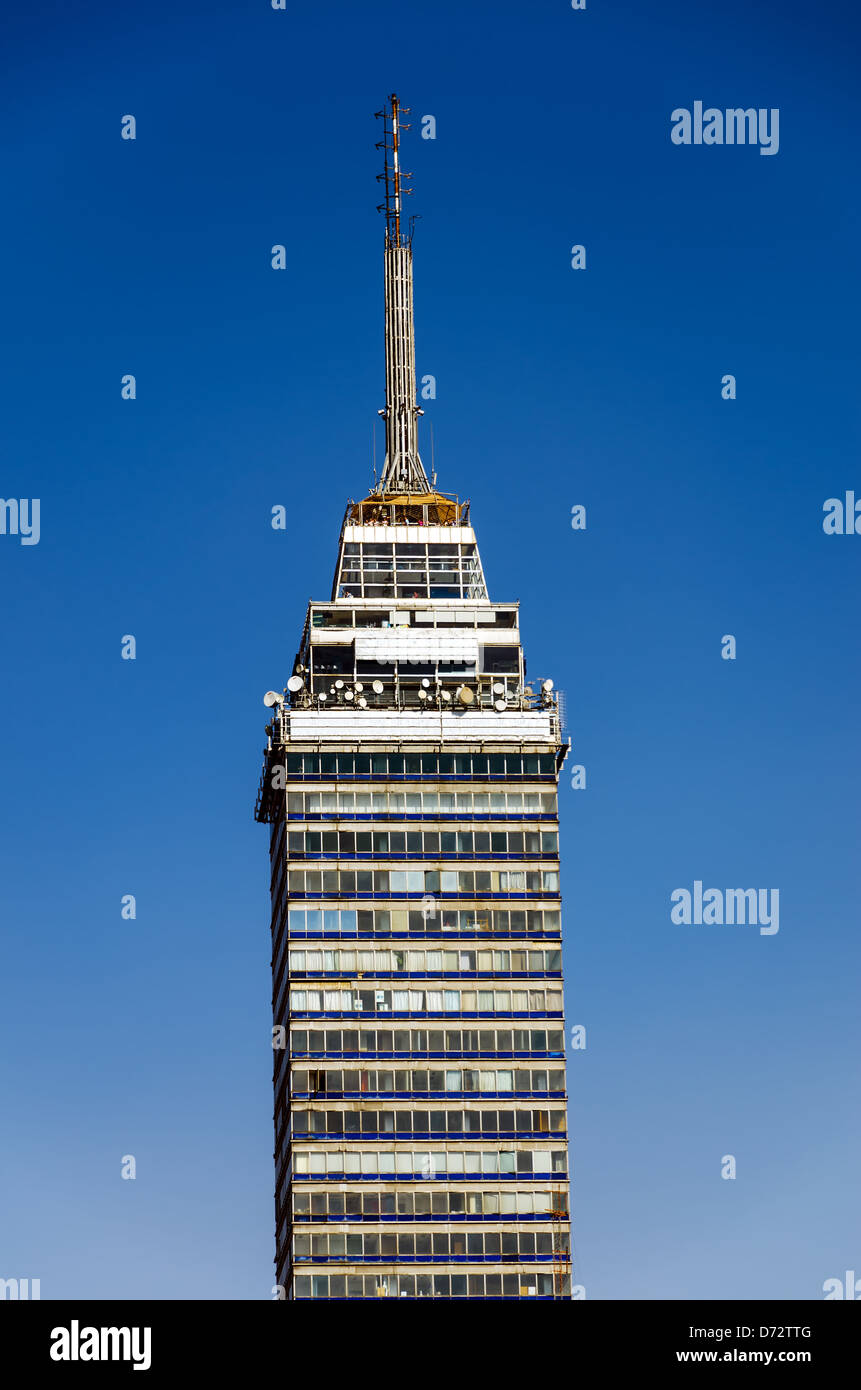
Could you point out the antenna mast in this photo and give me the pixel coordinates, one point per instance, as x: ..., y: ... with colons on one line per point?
x: 402, y: 471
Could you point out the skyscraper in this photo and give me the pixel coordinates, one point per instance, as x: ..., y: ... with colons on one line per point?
x: 410, y: 786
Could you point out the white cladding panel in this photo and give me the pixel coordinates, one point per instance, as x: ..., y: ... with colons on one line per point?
x: 473, y: 726
x: 455, y: 615
x: 405, y: 644
x: 426, y: 644
x: 436, y: 535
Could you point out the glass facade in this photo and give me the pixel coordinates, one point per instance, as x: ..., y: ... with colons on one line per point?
x: 420, y: 1100
x: 409, y: 569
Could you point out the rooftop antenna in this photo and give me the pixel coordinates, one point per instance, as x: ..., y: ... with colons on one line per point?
x: 402, y: 471
x: 394, y: 180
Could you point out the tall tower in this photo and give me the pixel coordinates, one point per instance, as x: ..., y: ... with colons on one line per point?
x: 410, y: 786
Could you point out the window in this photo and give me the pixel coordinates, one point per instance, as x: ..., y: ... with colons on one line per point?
x: 501, y: 661
x: 332, y: 660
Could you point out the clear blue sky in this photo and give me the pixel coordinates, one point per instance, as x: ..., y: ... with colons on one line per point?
x: 555, y: 387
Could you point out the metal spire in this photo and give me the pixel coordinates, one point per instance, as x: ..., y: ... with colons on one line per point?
x: 402, y: 469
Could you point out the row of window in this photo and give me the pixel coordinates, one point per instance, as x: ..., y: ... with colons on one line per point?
x: 343, y: 661
x: 343, y: 960
x: 446, y: 1205
x: 435, y: 560
x: 537, y: 1002
x: 458, y: 1080
x: 432, y: 919
x: 374, y: 555
x: 346, y: 802
x: 423, y: 844
x: 349, y: 883
x: 378, y: 568
x: 406, y: 1124
x: 412, y: 573
x: 462, y: 619
x: 374, y: 549
x: 409, y: 1165
x: 509, y: 1247
x: 347, y: 922
x: 386, y: 765
x: 470, y: 587
x: 375, y: 552
x: 453, y: 1042
x: 525, y: 1285
x: 405, y: 577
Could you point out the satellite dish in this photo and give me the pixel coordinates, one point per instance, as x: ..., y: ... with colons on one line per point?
x: 426, y: 683
x: 348, y: 695
x: 358, y: 687
x: 465, y: 695
x: 377, y: 687
x: 498, y: 688
x: 339, y: 685
x: 499, y: 705
x: 272, y: 698
x: 295, y: 683
x: 547, y: 685
x: 446, y: 696
x: 323, y: 696
x: 363, y: 702
x: 423, y: 694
